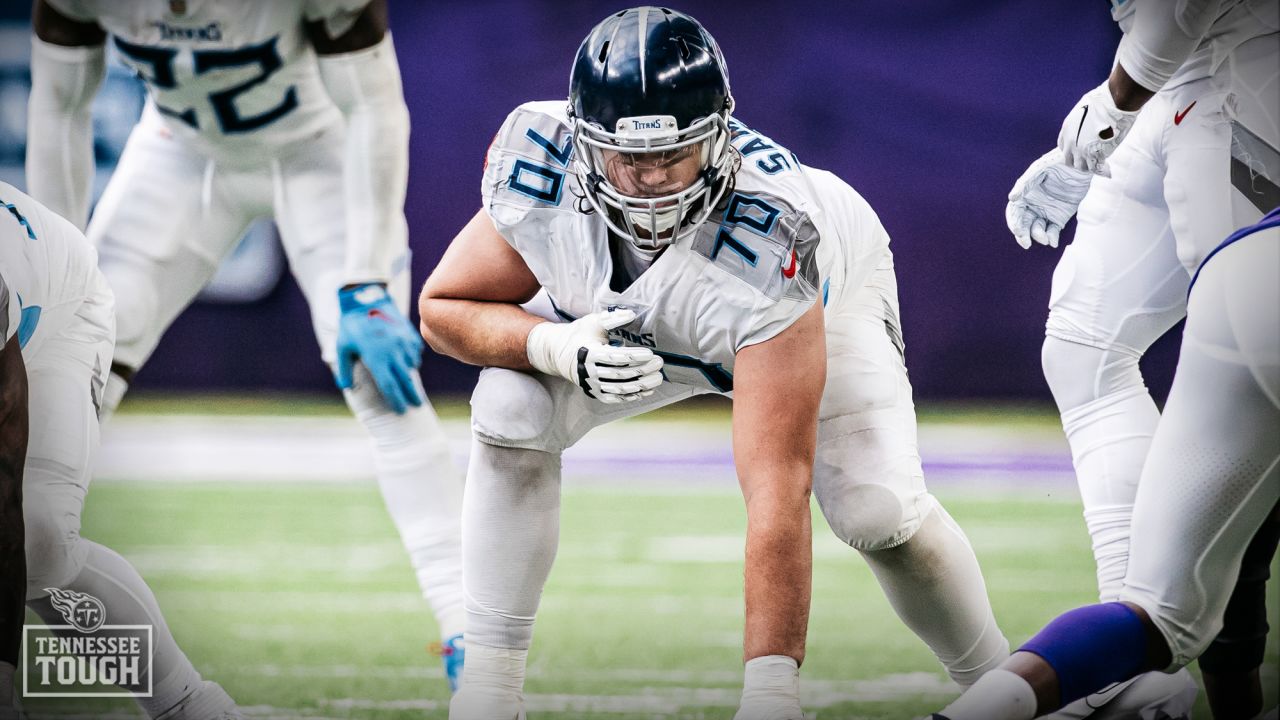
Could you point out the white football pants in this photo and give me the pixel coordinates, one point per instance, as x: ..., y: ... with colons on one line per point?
x: 1213, y: 474
x: 867, y: 478
x: 166, y: 220
x: 1122, y: 283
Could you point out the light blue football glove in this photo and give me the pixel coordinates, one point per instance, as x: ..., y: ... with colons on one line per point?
x: 373, y: 331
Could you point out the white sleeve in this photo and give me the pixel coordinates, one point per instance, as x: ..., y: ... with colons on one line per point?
x: 60, y: 126
x: 1163, y: 36
x: 337, y: 15
x: 365, y: 85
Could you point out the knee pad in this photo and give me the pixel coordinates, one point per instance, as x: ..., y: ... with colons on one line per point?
x: 55, y: 553
x: 868, y: 481
x: 1078, y: 373
x: 511, y: 409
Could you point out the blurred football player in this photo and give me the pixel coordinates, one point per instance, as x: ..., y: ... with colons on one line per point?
x: 1212, y: 479
x: 58, y: 333
x: 292, y: 110
x: 684, y: 253
x: 1199, y: 160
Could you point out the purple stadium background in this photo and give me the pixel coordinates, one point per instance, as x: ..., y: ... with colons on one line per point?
x: 930, y: 109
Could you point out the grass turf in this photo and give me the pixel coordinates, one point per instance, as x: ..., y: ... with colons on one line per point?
x: 299, y: 600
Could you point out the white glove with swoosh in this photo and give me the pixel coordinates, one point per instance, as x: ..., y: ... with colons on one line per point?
x: 1093, y: 129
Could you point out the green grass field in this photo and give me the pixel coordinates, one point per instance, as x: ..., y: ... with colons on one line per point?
x: 299, y: 600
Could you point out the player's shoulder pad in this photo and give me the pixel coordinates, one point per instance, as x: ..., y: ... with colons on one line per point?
x: 765, y: 234
x: 766, y: 242
x: 527, y: 167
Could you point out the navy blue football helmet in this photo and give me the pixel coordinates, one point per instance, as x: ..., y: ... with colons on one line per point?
x: 648, y: 94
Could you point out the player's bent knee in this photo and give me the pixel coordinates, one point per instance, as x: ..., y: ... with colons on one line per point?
x: 511, y: 409
x: 53, y: 547
x: 1079, y: 373
x: 865, y: 517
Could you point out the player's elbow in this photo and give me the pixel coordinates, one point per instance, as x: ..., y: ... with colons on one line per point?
x: 432, y: 317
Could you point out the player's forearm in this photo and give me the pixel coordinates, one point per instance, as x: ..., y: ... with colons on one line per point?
x: 779, y: 568
x: 1162, y: 37
x: 365, y: 85
x: 489, y: 334
x: 59, y: 161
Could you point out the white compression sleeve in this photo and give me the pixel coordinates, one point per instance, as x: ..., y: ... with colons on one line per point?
x: 1163, y: 35
x: 365, y: 85
x: 60, y: 126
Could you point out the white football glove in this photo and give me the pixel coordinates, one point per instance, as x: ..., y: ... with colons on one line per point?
x: 1044, y: 199
x: 580, y: 353
x: 1092, y: 131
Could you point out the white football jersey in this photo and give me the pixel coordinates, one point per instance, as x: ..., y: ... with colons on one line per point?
x: 45, y: 262
x: 784, y: 237
x: 1237, y: 21
x: 233, y: 76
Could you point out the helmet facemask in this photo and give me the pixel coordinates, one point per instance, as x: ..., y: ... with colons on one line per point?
x: 652, y: 182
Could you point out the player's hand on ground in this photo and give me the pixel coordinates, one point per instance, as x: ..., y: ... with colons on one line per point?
x: 580, y: 353
x: 373, y: 331
x: 1092, y: 131
x: 1044, y: 199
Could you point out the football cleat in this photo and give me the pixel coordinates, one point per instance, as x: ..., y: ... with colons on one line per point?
x: 1151, y: 696
x: 453, y: 653
x: 207, y: 702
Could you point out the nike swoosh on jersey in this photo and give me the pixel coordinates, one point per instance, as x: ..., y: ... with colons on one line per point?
x: 1083, y: 115
x: 1177, y: 117
x: 790, y: 271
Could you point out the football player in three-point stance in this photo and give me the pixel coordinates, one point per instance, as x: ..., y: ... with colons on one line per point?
x: 292, y: 110
x: 683, y: 254
x: 1192, y: 114
x: 58, y: 327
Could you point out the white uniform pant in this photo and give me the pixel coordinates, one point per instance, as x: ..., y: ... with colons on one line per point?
x: 65, y: 378
x: 170, y: 215
x: 1212, y: 475
x: 867, y: 472
x: 1122, y: 283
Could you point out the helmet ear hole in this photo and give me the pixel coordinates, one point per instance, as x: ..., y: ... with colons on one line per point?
x: 604, y: 51
x: 685, y: 52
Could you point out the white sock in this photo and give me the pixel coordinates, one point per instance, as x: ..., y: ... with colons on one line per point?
x: 935, y: 586
x: 1109, y: 439
x: 998, y: 695
x: 511, y: 527
x: 492, y: 669
x: 422, y: 490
